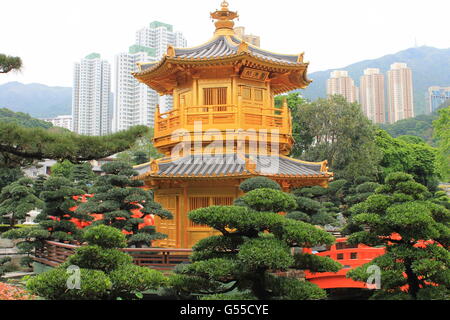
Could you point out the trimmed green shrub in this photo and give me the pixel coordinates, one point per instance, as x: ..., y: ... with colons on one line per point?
x: 258, y: 183
x: 94, y: 285
x: 130, y: 278
x: 105, y: 237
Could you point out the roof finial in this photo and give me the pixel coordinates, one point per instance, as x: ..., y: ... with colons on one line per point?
x: 224, y: 17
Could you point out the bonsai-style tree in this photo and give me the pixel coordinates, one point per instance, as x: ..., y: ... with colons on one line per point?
x: 105, y: 271
x: 38, y: 184
x: 83, y: 176
x: 17, y: 200
x: 255, y: 244
x: 416, y: 234
x: 124, y: 204
x: 56, y: 216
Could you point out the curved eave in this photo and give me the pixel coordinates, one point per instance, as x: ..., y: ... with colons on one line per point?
x: 168, y: 66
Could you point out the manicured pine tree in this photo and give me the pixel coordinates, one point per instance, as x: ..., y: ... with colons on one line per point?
x: 17, y: 200
x: 117, y: 197
x: 56, y: 216
x: 255, y: 243
x: 402, y: 216
x: 38, y: 184
x: 106, y: 273
x: 83, y: 176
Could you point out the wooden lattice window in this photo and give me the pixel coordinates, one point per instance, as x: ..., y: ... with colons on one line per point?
x: 197, y: 203
x: 222, y: 201
x: 214, y: 96
x: 246, y: 93
x: 258, y: 95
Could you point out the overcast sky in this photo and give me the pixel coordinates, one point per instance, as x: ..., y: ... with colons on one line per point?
x: 50, y: 35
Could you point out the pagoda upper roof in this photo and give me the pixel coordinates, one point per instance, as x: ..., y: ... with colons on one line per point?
x: 222, y: 47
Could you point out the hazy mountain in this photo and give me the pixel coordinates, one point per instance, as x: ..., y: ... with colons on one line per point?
x: 38, y: 100
x: 430, y: 67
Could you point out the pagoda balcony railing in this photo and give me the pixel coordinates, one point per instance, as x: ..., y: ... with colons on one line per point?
x: 223, y: 117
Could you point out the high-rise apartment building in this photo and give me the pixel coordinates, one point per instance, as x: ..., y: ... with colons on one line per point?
x: 249, y: 38
x: 61, y: 121
x: 91, y: 107
x: 134, y: 102
x: 371, y: 95
x: 400, y: 92
x: 340, y: 83
x: 436, y: 97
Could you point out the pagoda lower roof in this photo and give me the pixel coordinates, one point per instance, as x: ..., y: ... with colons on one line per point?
x: 232, y: 165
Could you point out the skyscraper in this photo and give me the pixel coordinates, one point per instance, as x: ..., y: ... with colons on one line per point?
x: 134, y: 102
x: 372, y: 95
x: 340, y: 83
x: 437, y: 96
x: 400, y: 93
x: 250, y: 38
x: 91, y: 108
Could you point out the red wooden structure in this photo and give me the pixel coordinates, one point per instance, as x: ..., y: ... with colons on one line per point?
x: 350, y: 256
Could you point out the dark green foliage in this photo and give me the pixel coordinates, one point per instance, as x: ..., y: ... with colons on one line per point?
x: 94, y: 285
x: 38, y: 143
x: 255, y: 243
x: 3, y: 265
x: 9, y: 63
x: 17, y: 200
x: 63, y: 169
x: 130, y: 278
x: 271, y: 200
x: 104, y: 237
x: 9, y: 175
x: 38, y: 184
x: 333, y: 129
x: 420, y: 160
x: 30, y: 238
x: 96, y: 257
x: 442, y: 136
x: 258, y: 183
x: 22, y: 119
x: 401, y: 215
x: 55, y: 217
x: 109, y: 272
x: 140, y: 157
x: 420, y: 127
x: 83, y: 176
x: 116, y: 196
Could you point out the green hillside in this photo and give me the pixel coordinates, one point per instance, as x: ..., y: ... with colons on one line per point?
x: 22, y: 119
x: 430, y: 67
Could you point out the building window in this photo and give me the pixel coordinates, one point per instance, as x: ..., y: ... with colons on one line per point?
x: 246, y: 93
x: 214, y: 96
x: 340, y: 256
x: 258, y: 95
x: 354, y: 255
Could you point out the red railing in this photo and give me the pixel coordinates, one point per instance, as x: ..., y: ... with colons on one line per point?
x: 54, y: 253
x: 347, y: 255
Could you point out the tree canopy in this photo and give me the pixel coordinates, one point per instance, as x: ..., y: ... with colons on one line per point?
x: 442, y: 136
x: 335, y: 130
x: 21, y: 144
x: 415, y: 231
x: 9, y: 63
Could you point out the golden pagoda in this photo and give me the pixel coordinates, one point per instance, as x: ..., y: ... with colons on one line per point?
x: 224, y: 126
